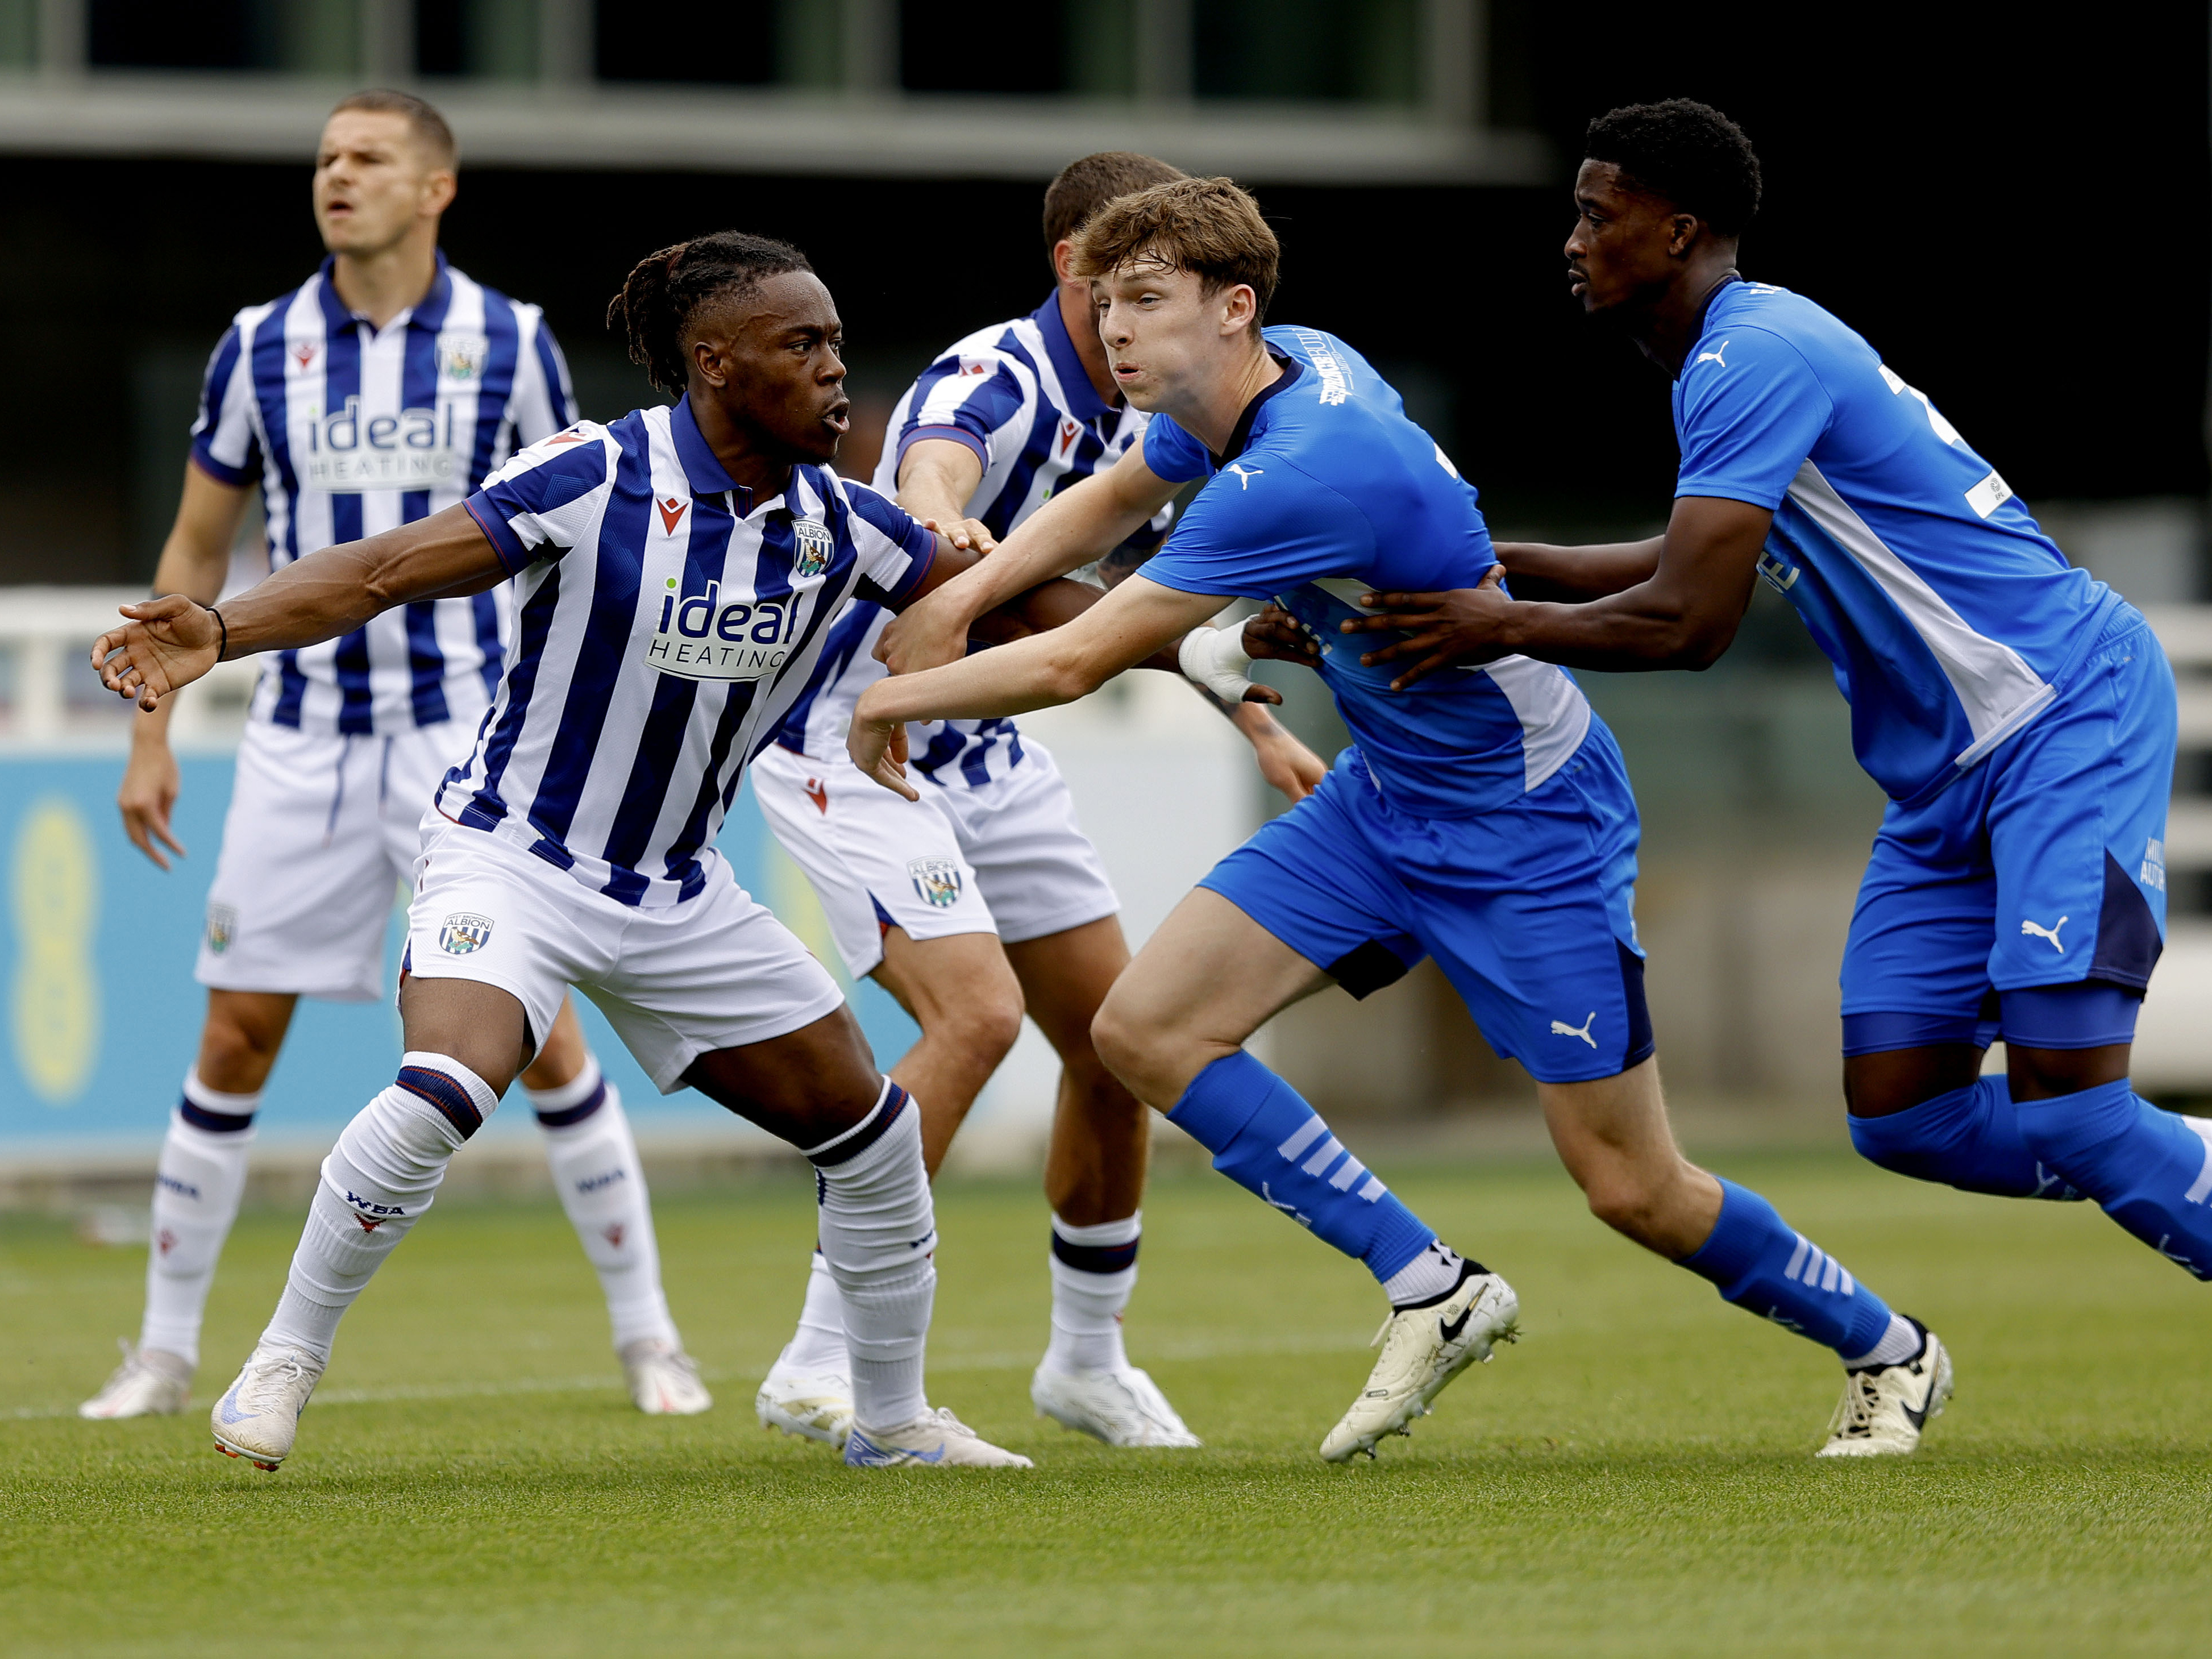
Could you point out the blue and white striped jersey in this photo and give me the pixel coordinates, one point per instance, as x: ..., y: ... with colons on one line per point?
x: 1951, y: 618
x: 1017, y: 395
x: 665, y: 623
x: 354, y: 430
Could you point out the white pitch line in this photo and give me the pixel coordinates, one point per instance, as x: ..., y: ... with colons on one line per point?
x: 971, y: 1362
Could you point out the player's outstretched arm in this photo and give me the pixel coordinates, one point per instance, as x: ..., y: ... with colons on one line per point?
x: 1077, y: 525
x: 170, y: 643
x: 1684, y: 615
x: 1538, y: 570
x: 1139, y: 619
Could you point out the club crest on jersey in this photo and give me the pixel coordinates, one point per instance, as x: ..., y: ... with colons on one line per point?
x: 462, y: 357
x: 936, y: 880
x: 703, y: 636
x: 221, y: 927
x: 463, y: 933
x: 813, y: 546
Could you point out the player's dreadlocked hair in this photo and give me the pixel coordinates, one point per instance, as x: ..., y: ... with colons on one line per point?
x: 664, y: 289
x: 1686, y: 152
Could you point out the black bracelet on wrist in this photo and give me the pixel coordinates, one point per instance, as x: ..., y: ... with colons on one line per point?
x: 223, y: 649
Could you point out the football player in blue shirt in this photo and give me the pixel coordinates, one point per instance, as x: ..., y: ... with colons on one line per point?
x: 2018, y: 713
x: 1485, y: 819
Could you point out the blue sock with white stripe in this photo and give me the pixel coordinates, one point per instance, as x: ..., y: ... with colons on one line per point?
x: 1763, y: 1267
x: 2150, y: 1171
x: 1268, y: 1140
x: 1969, y: 1138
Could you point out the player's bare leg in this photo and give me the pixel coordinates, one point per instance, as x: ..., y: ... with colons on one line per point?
x: 1173, y: 1029
x: 199, y: 1182
x: 960, y: 990
x: 963, y: 994
x: 1095, y: 1182
x: 596, y: 1171
x: 1614, y: 1136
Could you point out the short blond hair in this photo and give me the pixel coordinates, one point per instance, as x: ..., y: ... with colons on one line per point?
x: 423, y: 121
x: 1208, y: 227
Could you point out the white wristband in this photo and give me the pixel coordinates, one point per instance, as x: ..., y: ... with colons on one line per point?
x: 1217, y: 659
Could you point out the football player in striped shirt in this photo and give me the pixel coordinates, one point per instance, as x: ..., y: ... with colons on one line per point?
x: 676, y: 577
x: 382, y: 390
x: 984, y: 898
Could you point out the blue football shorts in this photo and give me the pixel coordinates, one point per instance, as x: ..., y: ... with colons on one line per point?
x: 1528, y: 909
x: 2044, y: 865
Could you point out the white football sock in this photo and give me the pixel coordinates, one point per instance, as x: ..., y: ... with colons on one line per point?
x: 878, y: 1231
x: 1094, y: 1269
x: 197, y: 1184
x: 376, y: 1184
x: 596, y: 1171
x: 1429, y: 1277
x: 818, y: 1345
x: 1900, y: 1343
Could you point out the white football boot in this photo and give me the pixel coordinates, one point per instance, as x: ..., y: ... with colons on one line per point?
x: 147, y: 1383
x: 816, y: 1404
x: 664, y: 1380
x: 936, y: 1438
x: 258, y: 1416
x: 1423, y: 1349
x: 1122, y: 1405
x: 1886, y: 1408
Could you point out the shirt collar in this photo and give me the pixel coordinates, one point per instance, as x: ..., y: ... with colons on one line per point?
x: 706, y: 475
x: 1083, y: 399
x: 429, y: 313
x: 1242, y: 435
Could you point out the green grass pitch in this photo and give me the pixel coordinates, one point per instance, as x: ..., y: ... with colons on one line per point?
x: 1633, y: 1478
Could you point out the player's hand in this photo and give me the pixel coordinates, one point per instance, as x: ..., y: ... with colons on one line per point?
x: 1460, y: 626
x: 167, y: 643
x: 1277, y: 634
x: 878, y: 748
x: 930, y: 633
x: 1293, y: 770
x: 973, y: 534
x: 147, y: 798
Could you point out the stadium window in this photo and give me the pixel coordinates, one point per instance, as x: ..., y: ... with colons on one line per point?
x: 731, y: 43
x: 938, y: 46
x: 491, y: 39
x: 1324, y: 50
x: 211, y: 34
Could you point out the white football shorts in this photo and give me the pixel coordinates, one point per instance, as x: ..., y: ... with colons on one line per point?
x: 717, y: 971
x: 322, y: 829
x: 1005, y: 857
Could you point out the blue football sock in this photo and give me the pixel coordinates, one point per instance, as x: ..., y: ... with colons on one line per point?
x: 1764, y: 1267
x: 1969, y: 1138
x: 2151, y: 1171
x: 1268, y: 1141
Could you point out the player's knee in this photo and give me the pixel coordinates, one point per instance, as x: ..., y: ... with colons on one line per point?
x: 1630, y: 1206
x: 984, y: 1024
x: 1118, y: 1033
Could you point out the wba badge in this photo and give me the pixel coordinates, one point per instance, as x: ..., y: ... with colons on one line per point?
x: 811, y: 556
x: 463, y: 933
x: 221, y: 927
x: 937, y: 880
x: 461, y: 357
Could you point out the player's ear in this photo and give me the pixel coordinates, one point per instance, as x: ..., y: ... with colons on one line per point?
x: 440, y: 189
x: 1682, y: 233
x: 1063, y: 260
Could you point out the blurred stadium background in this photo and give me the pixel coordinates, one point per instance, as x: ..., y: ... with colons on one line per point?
x: 2017, y: 218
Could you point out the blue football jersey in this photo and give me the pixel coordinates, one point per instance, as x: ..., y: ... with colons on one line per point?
x: 1951, y: 618
x: 1328, y: 491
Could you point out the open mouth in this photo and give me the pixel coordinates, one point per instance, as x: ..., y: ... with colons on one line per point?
x: 839, y: 418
